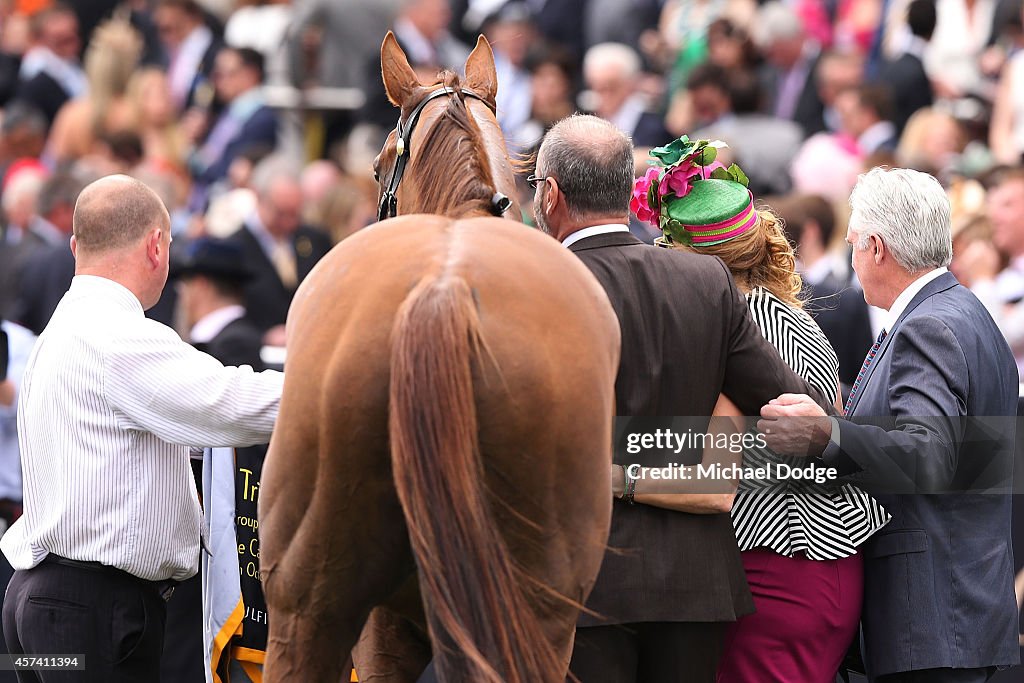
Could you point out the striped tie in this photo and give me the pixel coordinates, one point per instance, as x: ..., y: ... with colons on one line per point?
x: 863, y: 371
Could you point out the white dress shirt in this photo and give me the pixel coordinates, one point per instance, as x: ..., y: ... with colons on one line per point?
x: 214, y: 322
x: 186, y: 62
x: 907, y: 295
x: 593, y: 230
x: 110, y: 402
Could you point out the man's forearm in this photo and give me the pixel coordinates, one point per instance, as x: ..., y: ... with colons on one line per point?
x: 686, y: 491
x: 7, y: 393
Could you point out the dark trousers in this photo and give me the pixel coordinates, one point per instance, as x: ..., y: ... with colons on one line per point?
x: 116, y: 621
x: 6, y: 572
x: 940, y: 676
x: 183, y: 660
x: 652, y: 652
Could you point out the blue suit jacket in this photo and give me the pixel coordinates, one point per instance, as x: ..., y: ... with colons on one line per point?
x: 938, y: 579
x: 259, y: 131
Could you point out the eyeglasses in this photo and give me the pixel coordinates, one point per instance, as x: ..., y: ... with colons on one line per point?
x: 534, y: 180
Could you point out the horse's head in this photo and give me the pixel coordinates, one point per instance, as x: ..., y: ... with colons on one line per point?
x: 447, y: 154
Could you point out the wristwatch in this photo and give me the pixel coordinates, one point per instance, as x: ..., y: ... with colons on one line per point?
x: 627, y: 494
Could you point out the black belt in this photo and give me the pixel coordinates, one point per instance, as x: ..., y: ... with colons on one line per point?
x: 163, y: 588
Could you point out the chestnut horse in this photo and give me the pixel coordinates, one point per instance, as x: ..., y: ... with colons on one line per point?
x: 446, y: 418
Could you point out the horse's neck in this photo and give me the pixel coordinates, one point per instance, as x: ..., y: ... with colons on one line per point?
x: 459, y: 176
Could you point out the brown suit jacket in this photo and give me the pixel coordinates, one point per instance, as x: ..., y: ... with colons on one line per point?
x: 687, y: 336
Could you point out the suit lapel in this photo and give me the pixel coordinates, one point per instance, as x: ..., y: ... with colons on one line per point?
x: 939, y: 284
x: 257, y: 247
x: 304, y: 249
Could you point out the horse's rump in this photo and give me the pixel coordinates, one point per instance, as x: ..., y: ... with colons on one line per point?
x: 517, y: 320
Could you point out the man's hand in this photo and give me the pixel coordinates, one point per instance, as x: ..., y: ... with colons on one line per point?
x: 793, y: 424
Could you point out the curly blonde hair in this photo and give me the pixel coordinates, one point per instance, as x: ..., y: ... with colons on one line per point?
x: 761, y: 257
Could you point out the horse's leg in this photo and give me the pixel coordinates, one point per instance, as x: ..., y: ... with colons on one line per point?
x: 333, y: 540
x: 311, y: 637
x: 392, y: 648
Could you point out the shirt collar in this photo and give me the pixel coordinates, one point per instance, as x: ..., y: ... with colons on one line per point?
x: 909, y: 44
x: 213, y: 323
x: 593, y: 230
x: 196, y: 43
x: 871, y: 139
x: 267, y: 241
x: 420, y: 49
x: 816, y: 273
x: 47, y: 231
x: 245, y: 105
x: 629, y: 114
x: 907, y: 295
x: 101, y: 287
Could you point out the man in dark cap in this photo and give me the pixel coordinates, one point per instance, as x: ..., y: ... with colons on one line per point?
x: 212, y: 274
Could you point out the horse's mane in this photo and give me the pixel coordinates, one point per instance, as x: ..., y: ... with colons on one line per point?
x: 453, y: 173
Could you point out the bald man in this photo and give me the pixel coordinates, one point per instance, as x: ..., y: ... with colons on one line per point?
x: 110, y: 403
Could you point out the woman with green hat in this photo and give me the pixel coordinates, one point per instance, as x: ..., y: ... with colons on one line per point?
x: 799, y: 538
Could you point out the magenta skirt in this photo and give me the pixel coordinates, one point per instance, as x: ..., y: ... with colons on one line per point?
x: 806, y: 618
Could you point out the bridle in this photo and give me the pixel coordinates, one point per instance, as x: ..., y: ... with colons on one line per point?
x: 388, y: 207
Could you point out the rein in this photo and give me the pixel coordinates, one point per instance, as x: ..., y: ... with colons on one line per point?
x: 388, y: 207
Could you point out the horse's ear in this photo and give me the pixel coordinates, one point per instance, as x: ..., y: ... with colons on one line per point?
x: 481, y: 75
x: 400, y: 80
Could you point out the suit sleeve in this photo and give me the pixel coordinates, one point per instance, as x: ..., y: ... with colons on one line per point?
x: 916, y: 448
x: 259, y: 131
x: 754, y: 371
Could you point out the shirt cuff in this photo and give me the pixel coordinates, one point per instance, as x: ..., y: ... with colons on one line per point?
x: 833, y: 455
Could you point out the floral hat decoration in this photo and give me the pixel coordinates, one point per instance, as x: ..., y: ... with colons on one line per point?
x: 690, y: 202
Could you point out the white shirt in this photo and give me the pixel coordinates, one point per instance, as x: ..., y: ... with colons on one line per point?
x: 214, y: 322
x: 907, y: 295
x: 110, y: 402
x: 871, y: 140
x: 593, y: 230
x: 48, y: 232
x: 186, y: 62
x: 629, y: 114
x: 817, y: 273
x: 68, y: 74
x: 267, y: 241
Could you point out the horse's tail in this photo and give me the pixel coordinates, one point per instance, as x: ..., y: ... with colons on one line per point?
x: 481, y: 623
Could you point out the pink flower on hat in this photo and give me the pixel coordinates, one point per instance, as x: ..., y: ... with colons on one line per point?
x: 679, y: 179
x: 639, y: 204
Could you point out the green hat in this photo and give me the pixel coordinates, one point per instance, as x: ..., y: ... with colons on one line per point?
x: 688, y: 202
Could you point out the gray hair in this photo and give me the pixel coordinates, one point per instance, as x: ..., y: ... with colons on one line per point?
x: 617, y: 55
x: 270, y: 170
x: 776, y: 22
x: 61, y: 189
x: 592, y: 161
x: 909, y: 211
x: 23, y: 187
